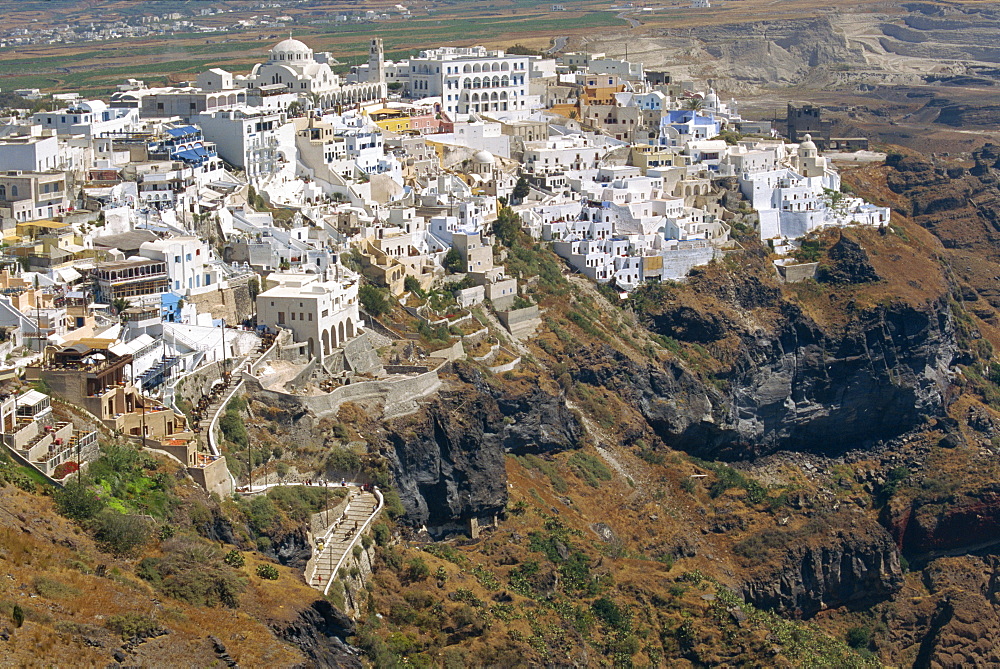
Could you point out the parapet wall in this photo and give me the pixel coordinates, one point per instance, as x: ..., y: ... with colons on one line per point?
x: 392, y: 393
x: 521, y: 322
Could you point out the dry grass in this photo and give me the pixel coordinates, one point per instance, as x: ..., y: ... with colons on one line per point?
x: 50, y: 557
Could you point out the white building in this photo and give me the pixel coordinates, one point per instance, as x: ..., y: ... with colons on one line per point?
x: 30, y: 153
x: 256, y: 141
x: 558, y: 154
x: 293, y: 64
x: 472, y: 79
x: 91, y: 118
x: 321, y: 313
x: 796, y: 200
x: 190, y: 263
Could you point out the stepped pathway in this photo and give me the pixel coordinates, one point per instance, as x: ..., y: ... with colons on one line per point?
x: 209, y: 413
x: 342, y: 536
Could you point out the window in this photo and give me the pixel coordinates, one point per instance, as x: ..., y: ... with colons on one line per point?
x: 293, y: 315
x: 310, y: 317
x: 177, y: 258
x: 281, y: 316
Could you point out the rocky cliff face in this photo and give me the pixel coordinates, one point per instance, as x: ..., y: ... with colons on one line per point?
x: 320, y: 632
x: 957, y: 625
x: 448, y: 460
x: 926, y: 526
x: 855, y: 564
x: 798, y: 387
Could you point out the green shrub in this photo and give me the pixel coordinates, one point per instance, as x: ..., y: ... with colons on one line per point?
x: 859, y: 637
x: 194, y: 571
x: 589, y: 468
x: 411, y: 284
x: 237, y: 404
x: 132, y: 624
x: 121, y: 534
x: 76, y: 500
x: 610, y: 613
x: 52, y: 589
x: 453, y: 261
x: 17, y: 615
x: 374, y: 300
x: 417, y: 569
x: 267, y: 571
x: 393, y: 504
x: 343, y: 460
x: 235, y: 559
x: 381, y: 533
x: 233, y: 429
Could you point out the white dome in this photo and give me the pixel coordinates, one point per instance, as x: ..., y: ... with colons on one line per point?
x: 808, y: 144
x: 289, y: 48
x: 291, y: 45
x: 484, y: 158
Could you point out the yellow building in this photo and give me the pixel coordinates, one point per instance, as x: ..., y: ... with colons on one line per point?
x: 391, y: 120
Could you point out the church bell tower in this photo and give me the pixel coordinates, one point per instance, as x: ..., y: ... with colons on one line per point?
x: 376, y: 61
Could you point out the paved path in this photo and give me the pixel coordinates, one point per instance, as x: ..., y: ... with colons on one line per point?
x: 342, y: 536
x: 557, y: 45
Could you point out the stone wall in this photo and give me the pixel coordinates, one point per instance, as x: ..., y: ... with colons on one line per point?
x: 213, y: 477
x: 395, y: 394
x: 796, y: 273
x: 453, y: 352
x: 520, y: 322
x: 677, y: 263
x: 232, y: 303
x: 361, y: 357
x: 199, y: 382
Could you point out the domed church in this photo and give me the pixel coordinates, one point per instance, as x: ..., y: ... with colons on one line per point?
x: 293, y: 64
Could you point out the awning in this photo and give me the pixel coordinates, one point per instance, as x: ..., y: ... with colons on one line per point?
x: 196, y: 153
x: 68, y: 275
x: 182, y: 131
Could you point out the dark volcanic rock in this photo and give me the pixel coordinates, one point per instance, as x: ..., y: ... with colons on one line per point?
x: 541, y: 423
x: 799, y: 388
x: 849, y: 264
x: 687, y: 324
x: 320, y: 632
x: 951, y: 522
x: 448, y: 461
x: 853, y: 566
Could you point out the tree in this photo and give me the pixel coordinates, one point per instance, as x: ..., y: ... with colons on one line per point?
x: 521, y: 190
x: 411, y: 284
x: 77, y: 501
x: 253, y: 287
x: 694, y: 103
x: 375, y: 300
x: 120, y: 304
x: 507, y: 226
x: 453, y: 261
x: 121, y: 534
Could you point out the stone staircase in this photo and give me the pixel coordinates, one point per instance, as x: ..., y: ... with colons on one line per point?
x: 340, y: 537
x: 209, y: 412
